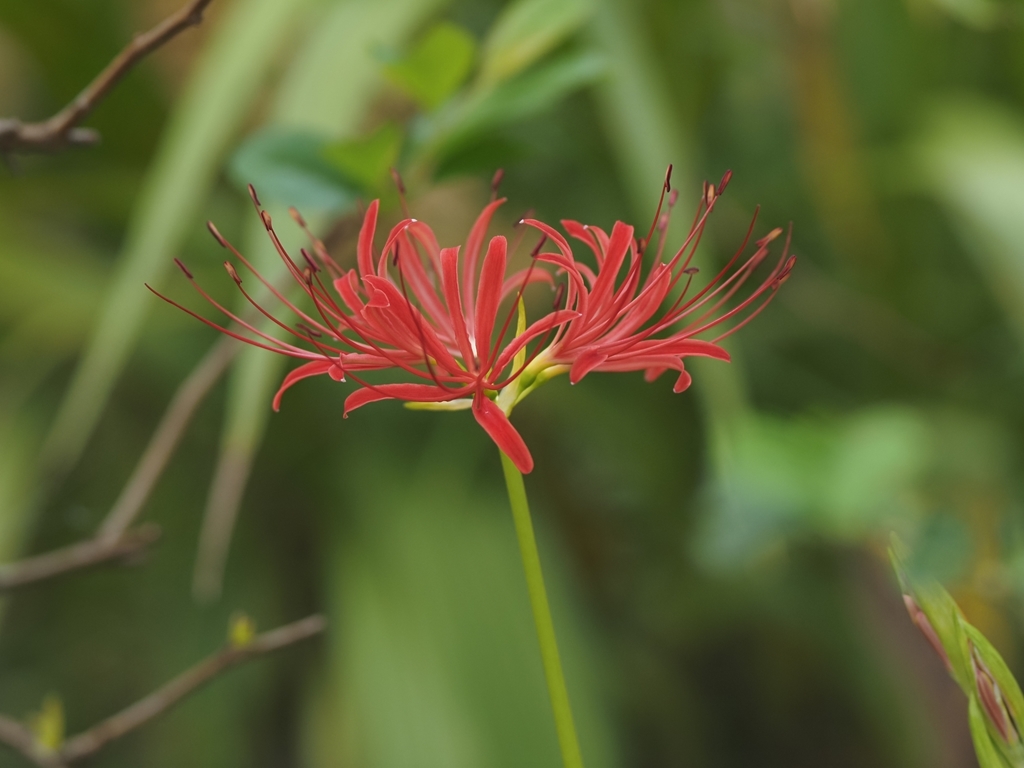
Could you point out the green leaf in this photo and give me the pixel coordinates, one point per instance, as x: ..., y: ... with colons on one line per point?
x: 987, y: 752
x: 525, y: 32
x: 525, y: 96
x: 436, y: 66
x: 288, y: 166
x: 366, y: 161
x: 980, y: 14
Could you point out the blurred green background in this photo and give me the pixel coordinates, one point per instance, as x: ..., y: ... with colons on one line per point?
x: 716, y: 558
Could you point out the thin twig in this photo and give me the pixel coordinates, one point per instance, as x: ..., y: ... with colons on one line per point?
x: 18, y: 737
x: 61, y: 130
x: 114, y: 540
x: 87, y: 743
x: 164, y: 698
x: 166, y: 437
x: 73, y: 557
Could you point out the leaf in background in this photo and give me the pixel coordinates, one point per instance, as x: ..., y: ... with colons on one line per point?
x: 840, y: 478
x: 524, y: 96
x: 287, y: 166
x: 366, y: 161
x: 970, y: 156
x: 524, y: 32
x: 980, y: 14
x: 436, y: 66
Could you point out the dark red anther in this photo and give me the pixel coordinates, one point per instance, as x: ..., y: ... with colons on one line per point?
x: 183, y: 268
x: 726, y: 177
x: 641, y: 245
x: 496, y: 181
x: 267, y: 222
x: 691, y: 270
x: 769, y: 237
x: 309, y: 260
x: 216, y: 234
x: 668, y: 178
x: 231, y: 271
x: 307, y: 329
x: 254, y: 196
x: 399, y: 184
x: 297, y: 217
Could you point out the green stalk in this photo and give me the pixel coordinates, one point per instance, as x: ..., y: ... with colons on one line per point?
x: 571, y: 757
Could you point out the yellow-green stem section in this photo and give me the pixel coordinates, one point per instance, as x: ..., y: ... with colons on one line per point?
x: 571, y: 757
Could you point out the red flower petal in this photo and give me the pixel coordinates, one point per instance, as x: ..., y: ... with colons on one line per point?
x: 683, y: 382
x: 622, y: 236
x: 419, y: 393
x: 543, y: 325
x: 496, y: 424
x: 452, y: 297
x: 364, y: 249
x: 585, y: 363
x: 474, y: 243
x: 489, y: 295
x: 315, y: 368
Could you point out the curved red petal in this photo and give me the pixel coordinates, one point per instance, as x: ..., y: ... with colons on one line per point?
x: 315, y: 368
x: 585, y: 363
x: 420, y: 393
x: 474, y: 243
x: 683, y: 382
x: 492, y: 275
x: 496, y: 424
x: 364, y: 248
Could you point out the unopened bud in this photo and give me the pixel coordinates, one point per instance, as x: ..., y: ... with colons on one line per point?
x: 241, y: 630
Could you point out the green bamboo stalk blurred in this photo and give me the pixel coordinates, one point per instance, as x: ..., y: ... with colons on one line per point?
x: 219, y: 97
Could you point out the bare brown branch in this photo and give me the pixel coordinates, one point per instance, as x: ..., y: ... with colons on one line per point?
x: 114, y: 541
x: 20, y: 738
x: 83, y: 554
x: 61, y: 130
x: 164, y: 698
x: 17, y: 736
x: 166, y: 437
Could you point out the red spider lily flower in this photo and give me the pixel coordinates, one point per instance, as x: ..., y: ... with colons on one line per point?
x: 432, y: 313
x: 617, y: 330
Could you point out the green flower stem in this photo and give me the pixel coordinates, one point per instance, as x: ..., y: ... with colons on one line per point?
x: 571, y: 757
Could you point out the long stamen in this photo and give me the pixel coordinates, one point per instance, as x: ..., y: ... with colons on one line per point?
x: 400, y: 186
x: 665, y: 189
